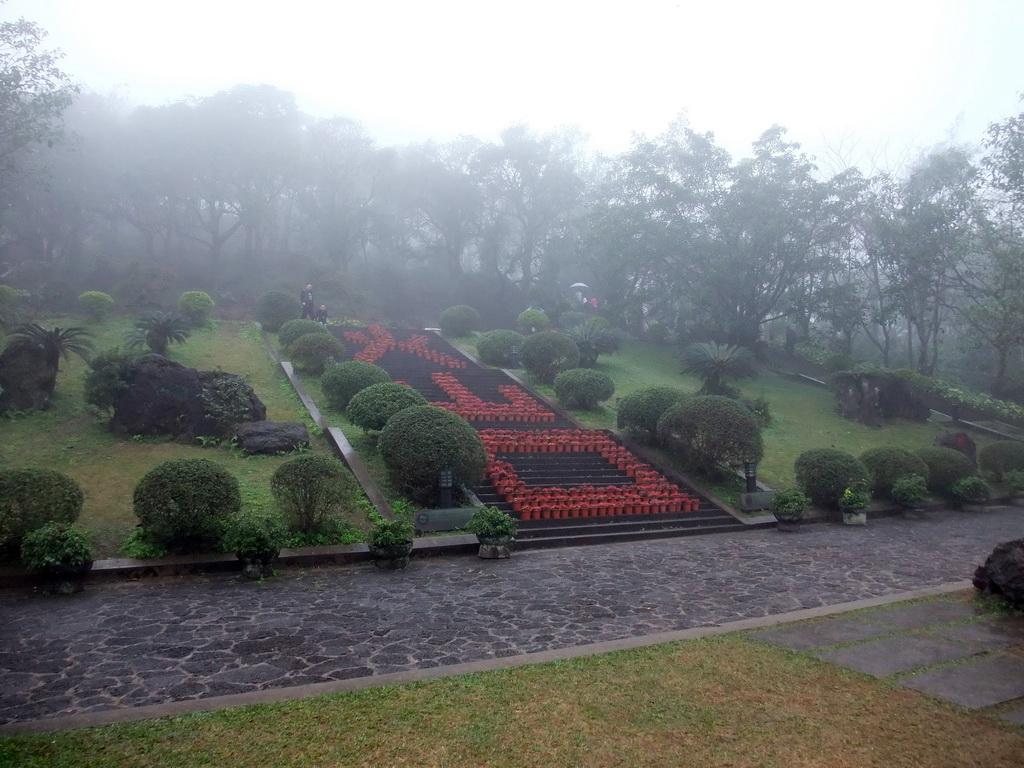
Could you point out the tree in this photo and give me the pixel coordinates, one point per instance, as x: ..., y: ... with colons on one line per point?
x: 33, y: 90
x: 717, y: 364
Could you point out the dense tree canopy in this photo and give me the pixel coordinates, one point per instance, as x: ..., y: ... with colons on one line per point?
x: 240, y: 193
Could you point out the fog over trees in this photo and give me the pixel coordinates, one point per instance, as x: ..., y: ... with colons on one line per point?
x: 239, y: 193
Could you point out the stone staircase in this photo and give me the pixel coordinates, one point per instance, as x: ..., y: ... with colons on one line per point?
x: 587, y: 469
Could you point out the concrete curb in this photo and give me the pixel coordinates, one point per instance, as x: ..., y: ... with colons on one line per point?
x: 171, y: 709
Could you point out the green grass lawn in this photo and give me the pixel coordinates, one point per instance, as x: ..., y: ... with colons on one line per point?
x: 720, y: 701
x: 804, y: 414
x: 72, y: 438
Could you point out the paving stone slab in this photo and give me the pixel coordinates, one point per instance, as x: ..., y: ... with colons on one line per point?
x: 820, y: 634
x: 993, y: 633
x: 977, y: 683
x: 919, y: 615
x: 899, y: 654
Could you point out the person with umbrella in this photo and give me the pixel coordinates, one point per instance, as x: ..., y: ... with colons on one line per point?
x: 581, y: 292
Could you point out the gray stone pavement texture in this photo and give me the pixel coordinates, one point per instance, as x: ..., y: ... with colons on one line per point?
x: 152, y: 642
x: 949, y: 649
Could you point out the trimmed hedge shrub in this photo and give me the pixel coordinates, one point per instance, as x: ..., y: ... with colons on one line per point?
x: 313, y: 352
x: 370, y: 408
x: 547, y: 354
x: 583, y: 388
x: 107, y: 378
x: 419, y: 442
x: 889, y: 464
x: 340, y: 382
x: 571, y: 318
x: 313, y: 488
x: 824, y: 473
x: 711, y: 430
x: 640, y: 410
x: 196, y: 306
x: 275, y: 308
x: 30, y: 497
x: 293, y: 329
x: 995, y: 459
x: 96, y: 304
x: 460, y: 320
x: 969, y: 489
x: 185, y: 503
x: 945, y: 467
x: 495, y: 347
x: 532, y: 321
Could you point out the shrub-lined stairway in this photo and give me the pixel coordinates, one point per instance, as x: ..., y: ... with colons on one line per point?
x: 565, y: 484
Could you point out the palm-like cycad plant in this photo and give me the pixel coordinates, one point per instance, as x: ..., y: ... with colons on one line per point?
x: 718, y: 364
x: 592, y: 340
x: 158, y: 330
x: 55, y: 342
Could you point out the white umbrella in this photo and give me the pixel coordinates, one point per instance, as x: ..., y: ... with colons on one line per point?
x: 574, y: 286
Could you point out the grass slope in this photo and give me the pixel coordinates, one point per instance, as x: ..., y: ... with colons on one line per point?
x: 720, y: 701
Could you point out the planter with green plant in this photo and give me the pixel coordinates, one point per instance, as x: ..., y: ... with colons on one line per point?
x: 256, y: 540
x: 788, y: 506
x: 61, y: 554
x: 853, y: 503
x: 910, y: 492
x: 495, y: 530
x: 390, y: 543
x: 1014, y: 482
x: 969, y: 492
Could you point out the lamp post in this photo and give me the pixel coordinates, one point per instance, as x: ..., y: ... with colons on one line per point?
x: 445, y: 483
x: 514, y: 357
x: 750, y: 473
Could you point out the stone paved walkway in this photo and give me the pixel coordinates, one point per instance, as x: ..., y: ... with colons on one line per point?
x: 141, y: 643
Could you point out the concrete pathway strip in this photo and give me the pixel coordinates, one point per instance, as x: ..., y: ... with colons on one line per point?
x: 891, y: 655
x: 982, y: 683
x: 822, y: 634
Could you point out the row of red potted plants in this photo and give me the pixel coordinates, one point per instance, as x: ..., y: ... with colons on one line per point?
x: 380, y: 341
x: 521, y: 407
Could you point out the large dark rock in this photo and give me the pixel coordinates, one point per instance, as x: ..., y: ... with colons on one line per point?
x: 26, y: 380
x: 870, y: 397
x: 165, y: 398
x: 958, y: 441
x: 1003, y: 572
x: 271, y: 437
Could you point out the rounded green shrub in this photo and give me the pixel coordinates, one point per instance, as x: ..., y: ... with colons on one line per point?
x: 184, y: 504
x: 196, y: 306
x: 496, y: 347
x: 532, y: 321
x: 969, y: 489
x: 824, y: 473
x: 460, y: 320
x: 419, y: 442
x: 293, y: 329
x: 340, y: 382
x: 640, y: 410
x: 945, y: 467
x: 107, y: 378
x: 370, y: 408
x: 711, y: 430
x: 56, y: 544
x: 547, y: 354
x: 30, y: 497
x: 888, y: 464
x: 571, y: 318
x: 96, y: 304
x: 583, y: 387
x: 996, y: 459
x: 313, y: 488
x: 313, y: 352
x: 275, y: 308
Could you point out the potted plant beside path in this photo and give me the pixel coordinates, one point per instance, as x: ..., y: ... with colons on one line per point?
x: 390, y: 543
x: 256, y: 540
x: 494, y: 530
x: 788, y: 506
x: 910, y: 492
x: 61, y: 554
x: 853, y: 503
